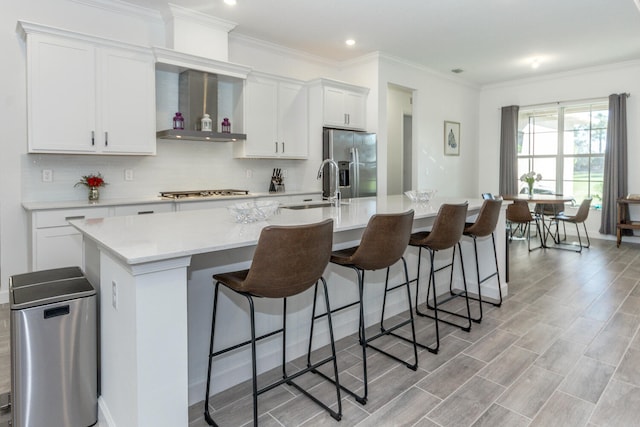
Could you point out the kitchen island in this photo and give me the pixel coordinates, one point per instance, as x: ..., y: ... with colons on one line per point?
x: 154, y: 278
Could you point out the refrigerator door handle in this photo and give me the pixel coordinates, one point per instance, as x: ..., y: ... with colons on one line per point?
x: 356, y: 189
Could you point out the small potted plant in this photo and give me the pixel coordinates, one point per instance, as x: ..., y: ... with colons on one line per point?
x: 93, y: 182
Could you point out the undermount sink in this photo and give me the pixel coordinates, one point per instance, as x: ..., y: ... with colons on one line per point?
x: 310, y: 205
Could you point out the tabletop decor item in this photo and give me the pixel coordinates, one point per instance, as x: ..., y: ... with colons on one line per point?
x: 530, y: 178
x: 94, y: 182
x: 253, y: 211
x: 178, y: 121
x: 226, y: 125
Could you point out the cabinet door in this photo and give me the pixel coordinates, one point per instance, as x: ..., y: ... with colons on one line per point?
x: 61, y: 94
x: 293, y: 121
x: 354, y: 105
x: 333, y: 111
x: 58, y: 247
x: 261, y: 117
x: 127, y: 102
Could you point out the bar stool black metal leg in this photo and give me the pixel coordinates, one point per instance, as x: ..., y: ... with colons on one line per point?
x: 207, y: 415
x: 431, y: 283
x: 385, y: 331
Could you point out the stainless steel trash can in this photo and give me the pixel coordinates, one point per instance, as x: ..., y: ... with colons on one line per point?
x: 53, y: 349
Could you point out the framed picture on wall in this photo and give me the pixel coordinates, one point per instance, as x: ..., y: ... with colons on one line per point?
x: 451, y: 138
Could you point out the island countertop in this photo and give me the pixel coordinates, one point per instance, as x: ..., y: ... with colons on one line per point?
x: 138, y: 239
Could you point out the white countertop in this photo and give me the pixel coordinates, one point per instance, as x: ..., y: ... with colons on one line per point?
x: 72, y: 204
x: 138, y: 239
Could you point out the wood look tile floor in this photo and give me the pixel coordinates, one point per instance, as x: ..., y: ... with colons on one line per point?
x: 563, y: 350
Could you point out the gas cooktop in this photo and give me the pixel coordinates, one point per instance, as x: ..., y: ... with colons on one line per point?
x: 202, y: 193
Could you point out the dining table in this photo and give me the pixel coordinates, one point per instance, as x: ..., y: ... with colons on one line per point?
x: 543, y: 199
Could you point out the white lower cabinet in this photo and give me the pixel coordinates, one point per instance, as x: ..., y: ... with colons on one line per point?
x: 54, y: 243
x: 57, y: 247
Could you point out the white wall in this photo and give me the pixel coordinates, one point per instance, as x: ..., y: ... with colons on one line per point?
x: 437, y: 98
x: 597, y: 82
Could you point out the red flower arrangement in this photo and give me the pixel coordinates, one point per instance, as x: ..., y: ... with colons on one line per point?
x: 92, y: 181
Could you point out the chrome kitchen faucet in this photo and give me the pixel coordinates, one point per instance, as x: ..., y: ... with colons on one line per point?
x: 336, y: 196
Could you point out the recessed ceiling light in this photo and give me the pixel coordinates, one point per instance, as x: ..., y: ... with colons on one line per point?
x: 535, y: 63
x: 230, y: 2
x: 350, y: 42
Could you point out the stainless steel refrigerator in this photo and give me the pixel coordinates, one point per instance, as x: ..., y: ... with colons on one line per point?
x: 356, y: 155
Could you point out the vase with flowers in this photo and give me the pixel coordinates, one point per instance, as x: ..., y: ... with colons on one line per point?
x: 530, y: 178
x: 93, y: 182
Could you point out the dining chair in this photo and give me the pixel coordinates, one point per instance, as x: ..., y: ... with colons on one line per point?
x: 518, y: 213
x: 579, y: 218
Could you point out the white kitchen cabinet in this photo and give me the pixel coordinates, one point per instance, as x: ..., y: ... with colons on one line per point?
x: 276, y: 119
x: 88, y: 95
x: 54, y: 243
x: 343, y: 105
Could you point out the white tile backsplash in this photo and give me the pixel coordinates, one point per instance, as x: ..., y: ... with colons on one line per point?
x: 178, y: 165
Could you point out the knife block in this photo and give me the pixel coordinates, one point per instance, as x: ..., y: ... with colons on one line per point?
x: 276, y: 187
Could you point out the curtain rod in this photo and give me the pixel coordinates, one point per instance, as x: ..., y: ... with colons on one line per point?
x: 571, y: 101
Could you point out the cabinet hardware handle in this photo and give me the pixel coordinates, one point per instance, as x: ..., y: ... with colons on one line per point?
x: 282, y: 147
x: 145, y: 212
x: 70, y: 218
x: 348, y: 118
x: 93, y: 138
x: 276, y: 146
x: 106, y: 139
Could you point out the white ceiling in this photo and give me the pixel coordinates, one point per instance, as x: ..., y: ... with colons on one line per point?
x: 491, y: 40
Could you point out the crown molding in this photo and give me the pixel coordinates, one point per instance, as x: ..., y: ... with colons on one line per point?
x: 279, y: 49
x: 121, y: 7
x: 564, y: 74
x: 174, y: 11
x: 430, y: 71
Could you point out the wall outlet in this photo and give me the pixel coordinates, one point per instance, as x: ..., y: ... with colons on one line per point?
x: 128, y: 174
x: 284, y: 173
x: 114, y: 294
x: 47, y: 175
x: 248, y: 173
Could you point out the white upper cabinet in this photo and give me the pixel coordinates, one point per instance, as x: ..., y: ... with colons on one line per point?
x: 276, y: 119
x: 88, y: 97
x: 343, y: 105
x: 127, y: 98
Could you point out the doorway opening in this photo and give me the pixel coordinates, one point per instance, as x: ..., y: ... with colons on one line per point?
x: 399, y: 139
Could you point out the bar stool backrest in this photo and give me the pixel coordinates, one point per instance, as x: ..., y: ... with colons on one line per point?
x: 289, y: 259
x: 487, y: 219
x: 447, y: 228
x: 384, y: 241
x: 519, y: 212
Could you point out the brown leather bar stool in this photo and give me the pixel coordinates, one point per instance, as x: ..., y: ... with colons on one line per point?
x: 287, y: 261
x: 445, y: 234
x: 383, y: 243
x: 518, y: 213
x: 484, y: 227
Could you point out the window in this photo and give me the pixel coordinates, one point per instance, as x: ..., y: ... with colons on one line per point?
x: 565, y: 144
